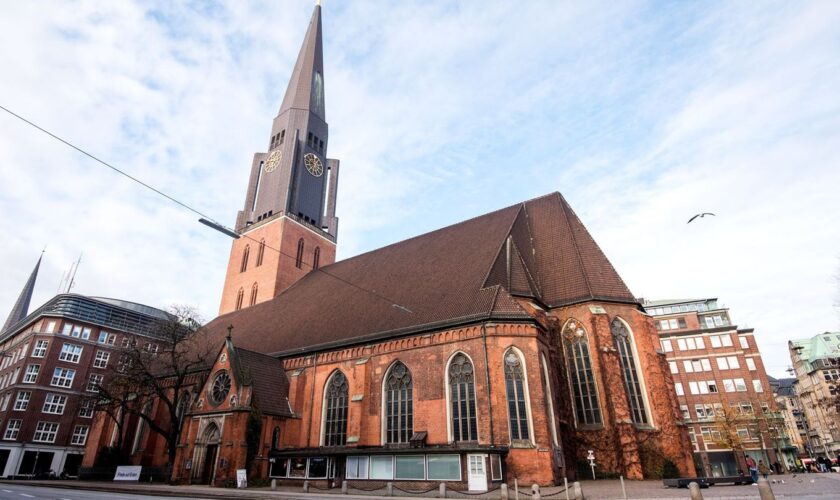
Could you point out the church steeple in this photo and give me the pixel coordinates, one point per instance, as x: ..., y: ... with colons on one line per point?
x: 306, y: 86
x: 288, y: 222
x: 294, y: 176
x: 21, y: 308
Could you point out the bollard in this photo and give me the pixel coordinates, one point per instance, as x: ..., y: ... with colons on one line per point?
x: 566, y: 487
x: 694, y: 491
x: 442, y: 490
x: 306, y: 486
x: 503, y: 491
x: 516, y: 487
x: 623, y: 489
x: 344, y: 487
x: 389, y: 489
x: 273, y: 485
x: 764, y: 490
x: 535, y: 492
x: 578, y: 492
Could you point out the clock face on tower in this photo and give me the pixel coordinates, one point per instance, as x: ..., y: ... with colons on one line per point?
x: 313, y: 164
x: 273, y: 161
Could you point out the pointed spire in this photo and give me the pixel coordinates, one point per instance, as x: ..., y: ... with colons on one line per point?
x: 306, y: 86
x: 21, y: 308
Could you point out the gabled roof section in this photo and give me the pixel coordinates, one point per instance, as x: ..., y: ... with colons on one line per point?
x: 571, y: 265
x: 266, y: 377
x: 21, y: 307
x: 303, y: 82
x: 460, y: 274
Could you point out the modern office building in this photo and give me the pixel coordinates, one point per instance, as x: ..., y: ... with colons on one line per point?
x: 816, y: 364
x: 52, y: 362
x: 723, y: 389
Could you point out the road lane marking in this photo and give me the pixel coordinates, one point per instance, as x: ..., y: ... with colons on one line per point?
x: 8, y: 491
x: 25, y: 495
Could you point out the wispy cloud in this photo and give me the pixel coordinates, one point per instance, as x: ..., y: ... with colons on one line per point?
x: 640, y: 113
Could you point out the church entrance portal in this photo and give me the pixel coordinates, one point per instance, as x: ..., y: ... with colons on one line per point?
x: 206, y: 453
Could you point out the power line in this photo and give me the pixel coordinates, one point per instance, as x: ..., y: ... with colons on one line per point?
x: 205, y: 219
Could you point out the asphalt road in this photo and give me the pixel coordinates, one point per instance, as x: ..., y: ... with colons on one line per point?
x: 22, y: 492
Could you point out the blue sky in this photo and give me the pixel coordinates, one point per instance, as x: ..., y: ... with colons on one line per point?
x: 640, y: 113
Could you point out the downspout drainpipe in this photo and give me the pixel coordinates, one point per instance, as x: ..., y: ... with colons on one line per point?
x: 487, y: 377
x: 312, y: 400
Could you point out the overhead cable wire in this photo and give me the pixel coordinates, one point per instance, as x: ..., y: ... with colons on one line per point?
x: 221, y: 227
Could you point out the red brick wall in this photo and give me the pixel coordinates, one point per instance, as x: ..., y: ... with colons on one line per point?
x: 278, y: 271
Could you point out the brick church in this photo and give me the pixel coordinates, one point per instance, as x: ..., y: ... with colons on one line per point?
x: 499, y: 348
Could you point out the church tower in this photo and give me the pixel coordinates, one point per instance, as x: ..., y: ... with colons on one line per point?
x: 288, y: 225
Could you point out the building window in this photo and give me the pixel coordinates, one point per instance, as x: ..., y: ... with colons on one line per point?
x: 31, y: 374
x: 240, y: 295
x: 70, y: 353
x: 462, y: 399
x: 101, y: 360
x: 678, y: 387
x: 666, y: 346
x: 750, y: 364
x: 260, y: 252
x: 86, y: 408
x: 515, y: 389
x: 316, y: 259
x: 22, y: 401
x: 581, y: 377
x: 63, y: 377
x: 54, y: 403
x: 399, y: 404
x: 299, y: 257
x: 253, y: 294
x: 12, y: 429
x: 335, y: 402
x: 94, y: 383
x: 80, y: 433
x: 632, y: 381
x: 244, y: 266
x: 45, y: 432
x: 40, y: 349
x: 357, y: 467
x: 757, y: 386
x: 745, y: 344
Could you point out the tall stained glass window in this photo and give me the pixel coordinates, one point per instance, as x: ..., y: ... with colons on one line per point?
x: 581, y: 377
x: 462, y: 399
x: 632, y: 384
x: 399, y: 405
x: 515, y: 388
x: 335, y: 426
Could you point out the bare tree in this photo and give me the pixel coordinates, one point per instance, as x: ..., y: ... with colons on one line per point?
x: 159, y: 368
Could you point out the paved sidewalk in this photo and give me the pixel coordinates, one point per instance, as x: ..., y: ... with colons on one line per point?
x: 817, y: 486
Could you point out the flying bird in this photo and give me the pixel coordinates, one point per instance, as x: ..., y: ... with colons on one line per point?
x: 701, y: 216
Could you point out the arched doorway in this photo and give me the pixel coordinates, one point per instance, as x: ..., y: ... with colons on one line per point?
x: 206, y: 452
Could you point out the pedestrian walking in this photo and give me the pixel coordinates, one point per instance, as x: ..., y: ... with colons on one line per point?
x: 751, y: 465
x: 763, y: 469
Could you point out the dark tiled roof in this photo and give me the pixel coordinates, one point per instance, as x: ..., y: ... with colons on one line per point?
x: 462, y: 273
x: 268, y: 381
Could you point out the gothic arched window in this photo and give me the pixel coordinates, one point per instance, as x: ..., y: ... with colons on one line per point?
x: 239, y: 296
x: 515, y: 388
x: 183, y: 404
x: 245, y: 254
x: 299, y: 257
x: 316, y: 260
x: 335, y: 402
x: 399, y: 404
x: 260, y: 252
x: 632, y: 383
x: 253, y: 294
x: 461, y: 381
x: 581, y: 378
